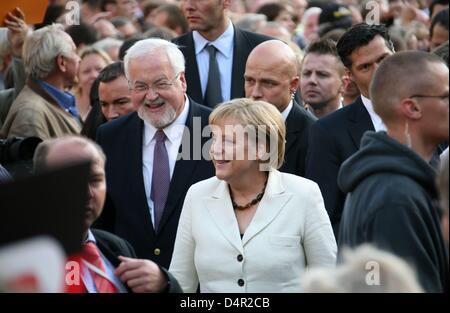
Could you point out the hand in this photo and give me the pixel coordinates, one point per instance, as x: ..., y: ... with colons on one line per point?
x: 17, y: 31
x: 98, y: 16
x: 141, y: 275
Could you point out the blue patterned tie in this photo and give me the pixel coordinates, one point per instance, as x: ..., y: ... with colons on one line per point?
x: 160, y: 177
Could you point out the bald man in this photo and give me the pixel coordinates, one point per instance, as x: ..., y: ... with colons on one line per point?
x: 390, y: 183
x: 271, y: 74
x: 118, y: 268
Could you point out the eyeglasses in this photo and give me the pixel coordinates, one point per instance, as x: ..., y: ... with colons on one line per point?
x: 160, y: 86
x: 443, y: 97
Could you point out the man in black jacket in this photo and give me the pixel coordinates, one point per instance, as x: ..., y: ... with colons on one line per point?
x: 214, y: 76
x: 392, y: 197
x: 154, y: 154
x: 335, y: 137
x: 108, y: 263
x: 271, y: 75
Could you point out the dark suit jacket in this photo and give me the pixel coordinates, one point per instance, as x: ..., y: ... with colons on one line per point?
x: 244, y: 42
x: 332, y: 140
x: 126, y: 211
x: 112, y: 246
x: 298, y: 123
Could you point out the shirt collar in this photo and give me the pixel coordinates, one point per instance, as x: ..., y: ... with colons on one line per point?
x: 173, y: 131
x: 286, y: 111
x: 90, y: 237
x: 63, y: 98
x: 224, y: 43
x: 376, y: 119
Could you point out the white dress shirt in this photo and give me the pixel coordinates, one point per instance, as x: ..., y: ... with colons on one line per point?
x: 225, y: 46
x: 376, y: 119
x: 87, y: 278
x: 174, y: 134
x: 286, y: 111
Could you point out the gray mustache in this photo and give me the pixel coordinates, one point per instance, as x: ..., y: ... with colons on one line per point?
x: 158, y: 101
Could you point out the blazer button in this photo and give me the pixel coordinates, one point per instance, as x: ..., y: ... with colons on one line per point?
x: 241, y: 282
x: 157, y: 251
x: 240, y: 258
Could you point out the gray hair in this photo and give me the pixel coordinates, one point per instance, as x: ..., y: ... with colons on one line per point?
x: 108, y: 43
x: 364, y: 270
x: 41, y: 49
x: 152, y: 46
x: 251, y: 21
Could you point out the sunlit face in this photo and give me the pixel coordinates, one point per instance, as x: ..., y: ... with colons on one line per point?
x: 434, y: 122
x: 233, y: 154
x: 204, y: 15
x: 71, y: 63
x: 115, y: 98
x: 285, y: 19
x: 90, y: 67
x: 321, y: 80
x: 365, y: 61
x: 162, y: 106
x: 269, y: 80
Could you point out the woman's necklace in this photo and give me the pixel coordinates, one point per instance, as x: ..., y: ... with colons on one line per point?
x: 249, y: 204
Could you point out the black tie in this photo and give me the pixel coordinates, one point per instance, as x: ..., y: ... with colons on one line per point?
x: 213, y: 94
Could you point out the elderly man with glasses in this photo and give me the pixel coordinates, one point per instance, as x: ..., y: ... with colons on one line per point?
x: 146, y: 180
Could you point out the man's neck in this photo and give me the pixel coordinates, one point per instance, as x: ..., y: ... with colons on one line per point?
x: 55, y: 81
x: 424, y: 148
x: 215, y: 33
x: 327, y: 109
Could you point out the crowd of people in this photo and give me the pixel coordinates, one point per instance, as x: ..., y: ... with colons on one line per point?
x: 240, y: 145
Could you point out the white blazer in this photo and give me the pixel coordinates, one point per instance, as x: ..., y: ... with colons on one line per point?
x: 289, y: 232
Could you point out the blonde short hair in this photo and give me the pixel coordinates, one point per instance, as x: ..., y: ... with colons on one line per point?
x: 256, y: 113
x: 95, y: 50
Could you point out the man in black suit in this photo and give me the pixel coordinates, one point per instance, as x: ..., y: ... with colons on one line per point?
x: 271, y: 75
x: 107, y: 260
x: 337, y: 136
x: 211, y: 26
x: 146, y: 181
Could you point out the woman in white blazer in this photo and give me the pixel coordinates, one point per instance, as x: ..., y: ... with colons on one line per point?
x: 251, y: 228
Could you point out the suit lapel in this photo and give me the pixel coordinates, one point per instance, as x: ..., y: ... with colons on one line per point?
x: 292, y: 128
x: 360, y: 122
x: 136, y: 178
x: 270, y: 206
x: 192, y: 73
x: 221, y: 211
x: 240, y: 52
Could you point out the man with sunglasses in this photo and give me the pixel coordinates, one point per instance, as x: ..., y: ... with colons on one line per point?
x: 146, y: 181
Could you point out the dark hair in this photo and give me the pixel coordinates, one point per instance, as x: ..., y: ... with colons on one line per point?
x: 127, y: 45
x: 95, y: 117
x: 359, y: 36
x: 324, y: 46
x: 83, y: 34
x: 52, y: 13
x: 105, y: 2
x: 160, y: 32
x: 175, y: 17
x: 442, y: 51
x: 93, y: 4
x: 111, y: 72
x: 271, y: 10
x: 437, y: 2
x: 120, y: 21
x: 440, y: 19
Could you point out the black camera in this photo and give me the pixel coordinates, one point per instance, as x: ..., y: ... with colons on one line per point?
x: 17, y: 149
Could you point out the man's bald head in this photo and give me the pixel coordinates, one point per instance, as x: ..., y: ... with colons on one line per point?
x: 274, y: 52
x: 66, y: 150
x: 271, y: 73
x: 59, y: 152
